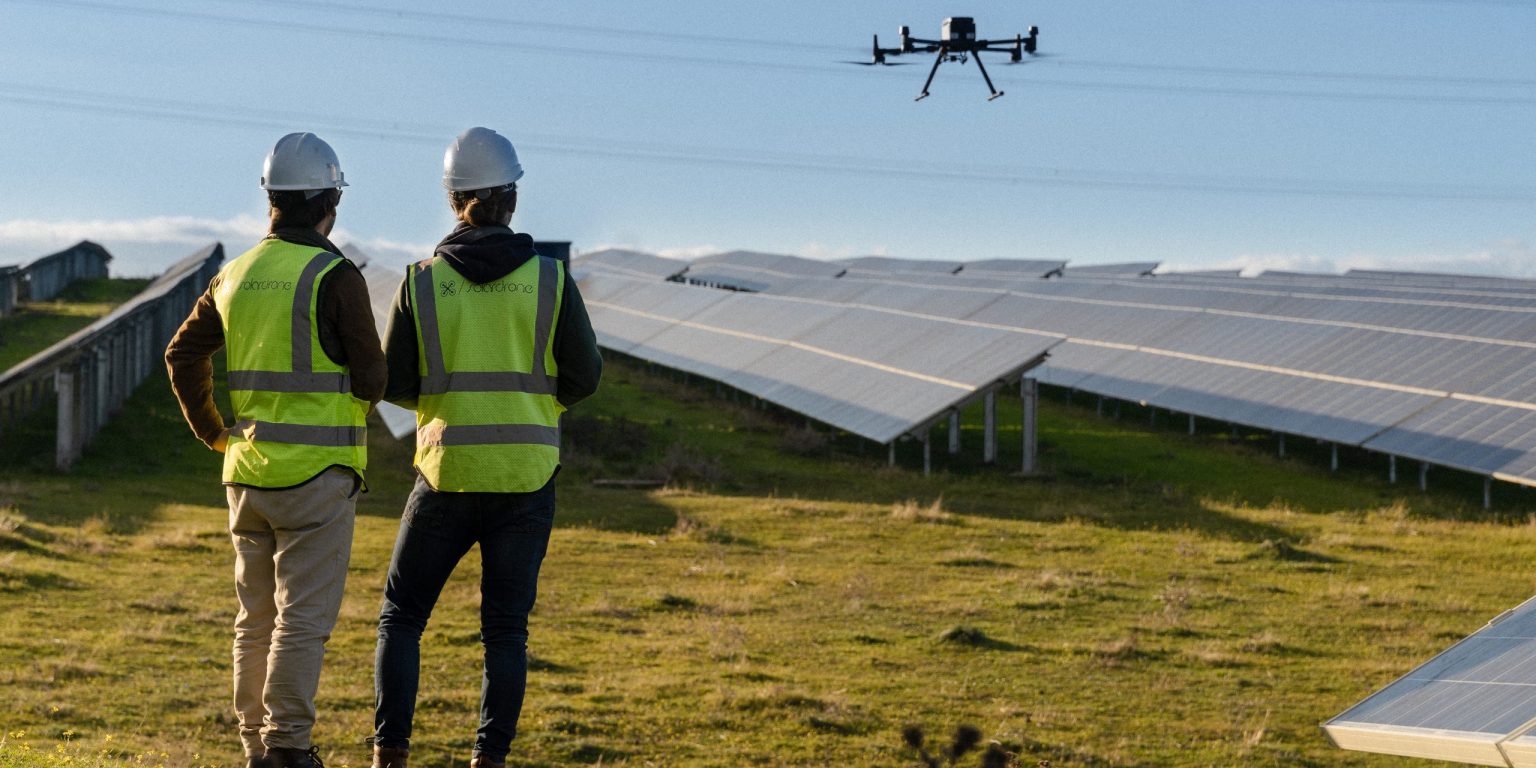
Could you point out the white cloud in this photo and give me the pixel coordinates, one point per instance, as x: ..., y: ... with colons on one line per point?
x: 155, y: 229
x: 1505, y: 258
x: 144, y: 246
x: 687, y: 252
x: 824, y: 252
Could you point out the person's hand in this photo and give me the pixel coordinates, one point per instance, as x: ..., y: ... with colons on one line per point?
x: 221, y: 443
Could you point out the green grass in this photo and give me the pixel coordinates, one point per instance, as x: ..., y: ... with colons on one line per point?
x: 788, y: 600
x: 36, y: 326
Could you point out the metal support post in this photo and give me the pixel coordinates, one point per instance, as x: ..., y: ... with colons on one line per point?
x: 927, y: 451
x: 954, y: 432
x: 1030, y: 393
x: 1423, y: 475
x: 1488, y: 492
x: 1333, y: 461
x: 102, y: 374
x: 1191, y: 425
x: 989, y: 442
x: 69, y: 418
x: 891, y: 458
x: 1282, y: 445
x: 1392, y: 469
x: 1101, y: 406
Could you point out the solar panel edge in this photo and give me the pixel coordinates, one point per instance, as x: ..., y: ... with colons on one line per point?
x: 1432, y: 744
x: 1364, y: 736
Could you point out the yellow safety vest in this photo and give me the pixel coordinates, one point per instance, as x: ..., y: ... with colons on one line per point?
x: 294, y: 410
x: 486, y: 418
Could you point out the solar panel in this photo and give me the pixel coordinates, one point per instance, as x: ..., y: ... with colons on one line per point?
x: 632, y: 263
x: 881, y: 265
x: 1130, y: 268
x: 1015, y: 267
x: 1473, y: 703
x: 750, y: 271
x: 383, y: 283
x: 877, y: 373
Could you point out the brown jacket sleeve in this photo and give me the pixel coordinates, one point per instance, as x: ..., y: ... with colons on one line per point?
x: 189, y: 362
x: 346, y: 311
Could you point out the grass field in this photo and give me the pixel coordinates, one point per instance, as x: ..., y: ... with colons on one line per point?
x: 36, y: 326
x: 1153, y: 599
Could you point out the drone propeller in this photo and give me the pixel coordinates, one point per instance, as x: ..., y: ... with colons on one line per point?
x: 874, y: 63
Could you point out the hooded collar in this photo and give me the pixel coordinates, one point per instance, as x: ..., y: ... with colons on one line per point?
x: 485, y: 254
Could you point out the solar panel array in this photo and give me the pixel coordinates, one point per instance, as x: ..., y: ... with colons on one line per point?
x: 874, y: 372
x: 1432, y: 369
x: 1448, y: 379
x: 1473, y: 703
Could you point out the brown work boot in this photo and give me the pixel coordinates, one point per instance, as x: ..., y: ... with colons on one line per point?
x: 389, y: 757
x: 283, y: 757
x: 481, y: 761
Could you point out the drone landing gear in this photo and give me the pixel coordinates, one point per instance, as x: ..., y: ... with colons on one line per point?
x: 943, y: 51
x: 995, y: 92
x: 944, y: 54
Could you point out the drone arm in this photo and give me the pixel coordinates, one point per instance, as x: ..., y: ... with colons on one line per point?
x: 937, y: 60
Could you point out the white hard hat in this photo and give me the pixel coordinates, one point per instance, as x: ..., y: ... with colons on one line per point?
x: 301, y: 161
x: 480, y: 158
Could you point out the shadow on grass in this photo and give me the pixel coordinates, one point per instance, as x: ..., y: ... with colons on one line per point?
x: 32, y: 581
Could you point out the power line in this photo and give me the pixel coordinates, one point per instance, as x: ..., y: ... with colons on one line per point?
x: 631, y: 34
x: 597, y: 147
x: 458, y: 42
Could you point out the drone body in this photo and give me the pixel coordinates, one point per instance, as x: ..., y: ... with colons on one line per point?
x: 957, y: 42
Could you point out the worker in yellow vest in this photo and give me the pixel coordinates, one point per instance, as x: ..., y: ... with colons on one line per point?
x: 304, y: 368
x: 489, y: 342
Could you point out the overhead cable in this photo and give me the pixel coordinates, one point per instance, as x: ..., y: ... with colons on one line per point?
x: 227, y: 115
x: 457, y: 41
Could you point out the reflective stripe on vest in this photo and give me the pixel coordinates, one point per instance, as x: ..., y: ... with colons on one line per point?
x: 487, y: 420
x: 294, y: 407
x: 301, y: 434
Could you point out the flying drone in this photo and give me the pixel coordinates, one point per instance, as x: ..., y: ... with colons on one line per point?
x: 957, y: 43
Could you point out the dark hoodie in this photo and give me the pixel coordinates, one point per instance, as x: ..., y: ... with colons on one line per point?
x: 484, y: 255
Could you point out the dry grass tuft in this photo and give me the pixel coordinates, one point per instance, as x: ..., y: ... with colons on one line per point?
x: 913, y: 511
x: 1175, y: 599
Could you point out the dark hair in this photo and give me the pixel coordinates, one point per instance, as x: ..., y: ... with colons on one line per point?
x: 484, y: 207
x: 291, y: 209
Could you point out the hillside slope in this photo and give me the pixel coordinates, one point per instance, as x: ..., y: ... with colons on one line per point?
x: 786, y: 600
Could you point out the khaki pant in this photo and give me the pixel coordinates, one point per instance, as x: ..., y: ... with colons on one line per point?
x: 291, y: 553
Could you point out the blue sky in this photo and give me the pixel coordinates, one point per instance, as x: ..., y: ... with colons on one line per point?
x: 1306, y: 134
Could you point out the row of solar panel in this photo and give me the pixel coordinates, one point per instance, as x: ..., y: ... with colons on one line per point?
x: 1450, y: 380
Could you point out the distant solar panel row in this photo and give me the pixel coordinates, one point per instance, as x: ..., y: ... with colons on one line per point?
x: 1446, y: 376
x: 872, y: 372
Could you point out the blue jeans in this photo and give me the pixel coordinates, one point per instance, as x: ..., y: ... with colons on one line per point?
x: 436, y: 531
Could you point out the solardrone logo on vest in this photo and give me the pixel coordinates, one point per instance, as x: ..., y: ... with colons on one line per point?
x: 500, y: 287
x: 265, y: 285
x: 451, y: 287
